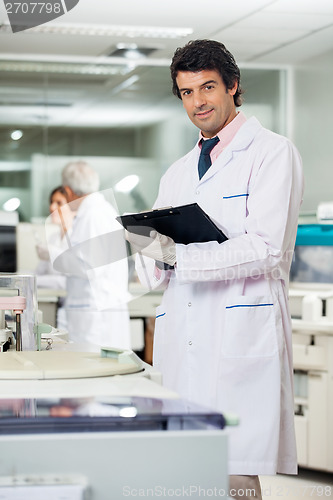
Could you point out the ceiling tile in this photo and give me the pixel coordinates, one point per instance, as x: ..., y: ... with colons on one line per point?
x: 286, y: 21
x: 307, y: 48
x: 304, y: 6
x: 266, y: 36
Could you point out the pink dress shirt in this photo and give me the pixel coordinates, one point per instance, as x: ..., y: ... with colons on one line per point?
x: 225, y: 135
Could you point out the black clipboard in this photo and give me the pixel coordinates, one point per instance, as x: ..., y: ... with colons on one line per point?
x: 184, y: 224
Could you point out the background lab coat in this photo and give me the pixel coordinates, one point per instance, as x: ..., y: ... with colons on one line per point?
x: 48, y: 277
x: 223, y: 330
x: 97, y: 289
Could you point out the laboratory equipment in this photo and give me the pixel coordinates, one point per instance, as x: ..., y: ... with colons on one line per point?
x: 313, y: 257
x: 311, y: 305
x: 104, y: 435
x: 19, y: 303
x: 103, y: 463
x: 325, y: 212
x: 77, y: 424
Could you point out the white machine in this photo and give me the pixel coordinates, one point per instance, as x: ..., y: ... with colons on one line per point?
x: 79, y: 424
x: 311, y: 303
x: 18, y: 311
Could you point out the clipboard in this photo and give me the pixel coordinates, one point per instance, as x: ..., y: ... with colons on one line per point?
x: 184, y: 224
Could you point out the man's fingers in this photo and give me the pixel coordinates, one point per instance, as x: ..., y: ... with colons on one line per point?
x: 161, y: 238
x: 138, y: 240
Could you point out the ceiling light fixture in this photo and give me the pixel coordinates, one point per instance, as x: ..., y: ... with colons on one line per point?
x: 122, y: 46
x: 16, y: 135
x: 132, y: 51
x: 11, y: 205
x: 79, y: 64
x: 63, y: 68
x: 126, y: 184
x: 106, y: 30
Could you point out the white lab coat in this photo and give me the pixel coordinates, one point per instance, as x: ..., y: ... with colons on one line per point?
x: 223, y: 329
x: 97, y: 288
x: 46, y: 275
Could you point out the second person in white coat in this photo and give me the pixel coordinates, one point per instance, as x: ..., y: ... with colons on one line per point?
x: 95, y: 263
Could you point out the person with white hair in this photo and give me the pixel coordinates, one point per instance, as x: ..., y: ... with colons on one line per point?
x: 95, y: 264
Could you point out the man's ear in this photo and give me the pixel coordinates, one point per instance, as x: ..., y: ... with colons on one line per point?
x: 69, y: 193
x: 233, y: 90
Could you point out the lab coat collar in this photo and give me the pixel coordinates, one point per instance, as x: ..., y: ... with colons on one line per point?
x: 241, y: 141
x: 90, y: 200
x: 245, y: 135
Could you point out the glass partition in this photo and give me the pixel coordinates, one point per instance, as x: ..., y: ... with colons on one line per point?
x: 122, y: 122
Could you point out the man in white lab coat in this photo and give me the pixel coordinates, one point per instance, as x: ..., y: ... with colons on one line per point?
x: 223, y: 329
x: 95, y: 263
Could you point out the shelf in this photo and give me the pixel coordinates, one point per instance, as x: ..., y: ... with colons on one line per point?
x: 315, y: 327
x: 301, y: 401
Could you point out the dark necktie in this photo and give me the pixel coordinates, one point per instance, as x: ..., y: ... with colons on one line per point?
x: 204, y: 159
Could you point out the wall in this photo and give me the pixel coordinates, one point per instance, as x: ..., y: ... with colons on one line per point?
x: 264, y: 96
x: 313, y: 129
x: 171, y: 139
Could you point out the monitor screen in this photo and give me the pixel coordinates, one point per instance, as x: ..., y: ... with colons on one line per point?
x: 312, y: 264
x: 7, y: 249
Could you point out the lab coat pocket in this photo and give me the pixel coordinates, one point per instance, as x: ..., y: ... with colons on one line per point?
x: 159, y: 333
x: 235, y: 210
x: 249, y: 327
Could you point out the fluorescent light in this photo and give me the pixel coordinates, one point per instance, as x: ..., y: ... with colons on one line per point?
x: 70, y: 68
x: 12, y: 204
x: 133, y: 54
x: 16, y: 135
x: 106, y: 30
x: 122, y: 46
x: 35, y: 62
x: 127, y: 184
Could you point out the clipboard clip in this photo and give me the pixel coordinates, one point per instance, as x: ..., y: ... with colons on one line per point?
x: 155, y: 209
x: 157, y: 212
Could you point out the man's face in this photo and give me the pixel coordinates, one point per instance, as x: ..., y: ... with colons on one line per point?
x: 209, y: 105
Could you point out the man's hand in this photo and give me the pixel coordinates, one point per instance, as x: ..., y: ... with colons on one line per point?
x: 156, y: 246
x: 42, y: 252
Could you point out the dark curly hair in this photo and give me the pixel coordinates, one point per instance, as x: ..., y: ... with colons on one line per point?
x: 199, y: 55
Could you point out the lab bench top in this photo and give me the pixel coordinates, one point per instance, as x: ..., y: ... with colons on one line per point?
x: 143, y: 305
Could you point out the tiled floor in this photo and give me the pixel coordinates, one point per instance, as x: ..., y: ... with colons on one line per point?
x: 307, y: 485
